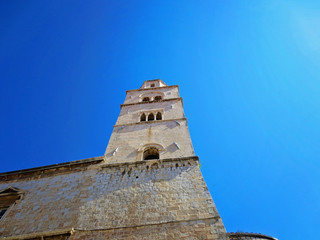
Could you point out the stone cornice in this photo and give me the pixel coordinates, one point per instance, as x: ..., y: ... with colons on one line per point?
x: 150, y: 122
x: 79, y: 165
x: 144, y: 89
x: 155, y: 80
x: 150, y: 162
x: 150, y: 102
x: 49, y: 169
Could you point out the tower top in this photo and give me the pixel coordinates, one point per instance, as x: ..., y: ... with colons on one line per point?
x: 153, y: 84
x: 151, y: 125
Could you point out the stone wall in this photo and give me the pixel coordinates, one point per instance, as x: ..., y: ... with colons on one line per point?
x: 134, y: 96
x: 203, y: 229
x: 160, y: 198
x: 172, y: 109
x: 128, y: 139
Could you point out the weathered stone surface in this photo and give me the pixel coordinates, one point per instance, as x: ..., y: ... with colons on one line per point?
x: 130, y: 134
x: 111, y: 197
x: 129, y: 139
x: 121, y: 196
x: 201, y: 229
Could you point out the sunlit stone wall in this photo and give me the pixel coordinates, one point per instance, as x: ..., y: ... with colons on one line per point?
x: 154, y: 199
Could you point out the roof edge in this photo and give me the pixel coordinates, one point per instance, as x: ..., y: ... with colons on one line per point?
x: 87, y: 161
x: 150, y: 162
x: 153, y: 80
x: 148, y: 89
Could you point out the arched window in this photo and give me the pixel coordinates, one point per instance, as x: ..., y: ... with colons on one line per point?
x: 151, y: 117
x: 157, y: 98
x: 143, y: 118
x: 152, y: 85
x: 151, y: 153
x: 158, y: 116
x: 146, y: 99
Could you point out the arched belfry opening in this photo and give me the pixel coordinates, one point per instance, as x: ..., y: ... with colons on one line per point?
x: 146, y: 99
x: 157, y: 98
x: 151, y: 153
x: 159, y: 116
x: 143, y: 118
x: 151, y: 117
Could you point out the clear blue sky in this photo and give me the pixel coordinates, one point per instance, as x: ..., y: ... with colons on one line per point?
x: 248, y: 72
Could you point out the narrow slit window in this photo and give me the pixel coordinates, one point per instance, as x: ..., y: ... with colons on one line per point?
x: 159, y: 116
x: 151, y: 153
x: 151, y: 117
x: 143, y: 118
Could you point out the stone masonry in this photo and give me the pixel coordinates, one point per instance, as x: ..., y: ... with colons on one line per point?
x: 148, y: 185
x: 165, y: 199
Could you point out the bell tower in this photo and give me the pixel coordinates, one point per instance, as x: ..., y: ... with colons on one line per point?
x: 148, y: 185
x: 151, y: 125
x: 159, y: 187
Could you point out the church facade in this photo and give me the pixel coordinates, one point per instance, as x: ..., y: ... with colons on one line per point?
x: 148, y: 185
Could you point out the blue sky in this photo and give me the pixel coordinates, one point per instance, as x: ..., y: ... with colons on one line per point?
x: 248, y: 72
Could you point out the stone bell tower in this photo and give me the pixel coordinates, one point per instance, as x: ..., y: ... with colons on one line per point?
x: 148, y: 185
x: 151, y: 139
x: 151, y: 124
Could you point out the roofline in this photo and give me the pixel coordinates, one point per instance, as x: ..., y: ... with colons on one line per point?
x: 144, y: 89
x: 150, y: 162
x: 152, y: 80
x: 150, y: 102
x: 87, y: 161
x: 63, y: 167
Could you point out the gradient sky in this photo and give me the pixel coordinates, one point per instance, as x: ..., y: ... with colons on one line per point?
x: 248, y: 72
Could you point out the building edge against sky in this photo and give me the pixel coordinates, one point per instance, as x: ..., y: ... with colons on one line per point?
x: 148, y: 185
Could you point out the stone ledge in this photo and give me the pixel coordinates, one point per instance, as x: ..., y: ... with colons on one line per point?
x: 78, y: 165
x: 144, y: 89
x: 152, y: 224
x: 151, y: 122
x: 150, y: 102
x: 60, y: 232
x: 150, y: 162
x: 73, y: 231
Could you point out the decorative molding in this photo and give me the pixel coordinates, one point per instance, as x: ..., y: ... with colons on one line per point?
x: 151, y: 102
x: 149, y: 145
x: 152, y: 122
